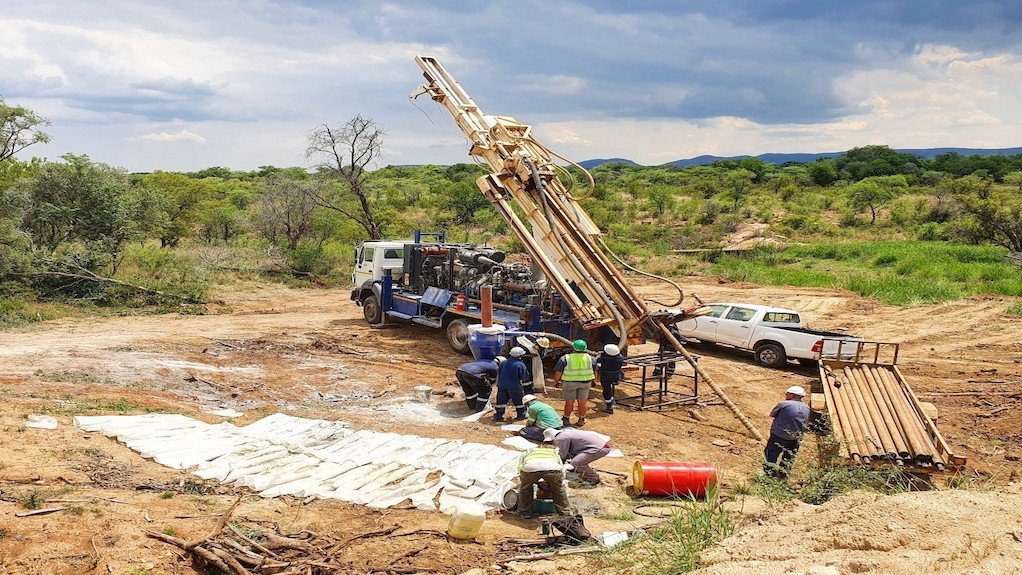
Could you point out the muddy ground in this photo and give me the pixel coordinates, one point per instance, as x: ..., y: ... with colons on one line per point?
x: 307, y: 352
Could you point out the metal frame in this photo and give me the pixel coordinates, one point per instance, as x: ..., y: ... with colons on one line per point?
x: 660, y: 394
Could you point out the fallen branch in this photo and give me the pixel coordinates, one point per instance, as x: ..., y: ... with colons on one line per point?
x: 40, y: 511
x: 558, y: 553
x: 86, y: 275
x: 218, y: 529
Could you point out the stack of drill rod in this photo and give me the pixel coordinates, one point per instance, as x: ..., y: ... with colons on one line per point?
x: 875, y: 418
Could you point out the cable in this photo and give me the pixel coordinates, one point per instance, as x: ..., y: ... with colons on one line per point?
x: 439, y: 131
x: 681, y: 292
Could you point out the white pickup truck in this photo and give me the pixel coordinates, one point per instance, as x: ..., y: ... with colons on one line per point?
x: 773, y: 334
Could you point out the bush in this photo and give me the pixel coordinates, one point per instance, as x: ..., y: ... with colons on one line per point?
x: 930, y: 231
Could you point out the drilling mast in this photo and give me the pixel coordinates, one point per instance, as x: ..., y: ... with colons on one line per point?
x: 559, y: 235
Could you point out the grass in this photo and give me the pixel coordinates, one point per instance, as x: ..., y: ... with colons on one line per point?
x: 818, y: 485
x: 71, y: 406
x: 675, y: 547
x: 1014, y: 310
x: 896, y: 273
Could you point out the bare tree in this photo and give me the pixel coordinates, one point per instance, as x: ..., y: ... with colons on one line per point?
x: 346, y: 151
x: 286, y: 209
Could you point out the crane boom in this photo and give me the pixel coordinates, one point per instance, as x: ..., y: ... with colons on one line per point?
x: 561, y: 237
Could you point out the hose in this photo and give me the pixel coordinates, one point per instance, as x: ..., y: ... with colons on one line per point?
x: 592, y: 182
x: 681, y: 292
x: 541, y: 188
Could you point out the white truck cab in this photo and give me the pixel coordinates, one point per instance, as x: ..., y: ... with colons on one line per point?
x: 373, y: 257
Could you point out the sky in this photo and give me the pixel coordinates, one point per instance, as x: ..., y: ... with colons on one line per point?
x: 184, y: 85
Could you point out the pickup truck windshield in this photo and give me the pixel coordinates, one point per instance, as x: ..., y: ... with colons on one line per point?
x: 782, y: 317
x: 741, y: 314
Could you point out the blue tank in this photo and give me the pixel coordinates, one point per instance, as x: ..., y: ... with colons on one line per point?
x: 485, y: 342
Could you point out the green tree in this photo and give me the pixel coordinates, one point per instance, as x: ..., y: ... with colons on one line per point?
x: 1014, y: 179
x: 286, y: 209
x: 737, y: 184
x: 177, y: 200
x: 660, y: 199
x: 20, y: 128
x: 78, y: 201
x: 874, y: 193
x: 465, y: 199
x: 823, y: 172
x: 990, y: 214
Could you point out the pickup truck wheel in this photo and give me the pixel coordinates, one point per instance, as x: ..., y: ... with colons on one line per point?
x: 371, y: 310
x: 771, y: 355
x: 457, y: 336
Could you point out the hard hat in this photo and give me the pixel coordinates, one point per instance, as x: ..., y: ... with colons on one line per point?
x: 611, y: 349
x: 550, y: 434
x: 579, y: 345
x: 543, y: 341
x: 797, y: 390
x: 529, y: 398
x: 499, y: 359
x: 517, y: 352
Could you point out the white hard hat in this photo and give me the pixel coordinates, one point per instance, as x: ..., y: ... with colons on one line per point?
x: 611, y: 349
x: 529, y: 398
x: 499, y: 358
x: 797, y: 390
x: 550, y: 434
x: 543, y: 341
x: 517, y: 352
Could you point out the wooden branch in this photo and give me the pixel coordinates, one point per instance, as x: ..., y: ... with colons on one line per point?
x: 558, y: 553
x: 93, y: 277
x: 218, y: 529
x: 40, y: 511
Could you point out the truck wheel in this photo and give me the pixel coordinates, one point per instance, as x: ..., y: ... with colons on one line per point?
x: 457, y: 336
x: 371, y: 310
x: 771, y: 355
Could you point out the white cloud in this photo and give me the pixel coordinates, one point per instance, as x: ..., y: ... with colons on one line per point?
x: 561, y: 134
x: 182, y: 136
x: 553, y: 84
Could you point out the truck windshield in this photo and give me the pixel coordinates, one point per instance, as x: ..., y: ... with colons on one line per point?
x: 782, y: 317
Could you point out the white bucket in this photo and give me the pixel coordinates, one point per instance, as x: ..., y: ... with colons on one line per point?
x: 466, y: 521
x: 423, y: 393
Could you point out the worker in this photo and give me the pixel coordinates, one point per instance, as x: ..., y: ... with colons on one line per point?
x: 608, y: 373
x: 476, y: 379
x: 542, y: 462
x: 790, y: 417
x: 573, y: 373
x: 512, y: 375
x: 580, y: 448
x: 539, y: 417
x: 666, y: 349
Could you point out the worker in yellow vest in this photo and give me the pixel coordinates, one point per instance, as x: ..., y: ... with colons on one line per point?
x: 574, y: 375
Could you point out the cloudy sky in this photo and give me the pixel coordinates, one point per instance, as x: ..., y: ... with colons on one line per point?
x: 181, y: 84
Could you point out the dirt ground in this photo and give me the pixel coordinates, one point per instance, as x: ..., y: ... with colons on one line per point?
x: 307, y: 352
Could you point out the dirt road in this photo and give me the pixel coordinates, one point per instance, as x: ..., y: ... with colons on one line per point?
x: 308, y: 353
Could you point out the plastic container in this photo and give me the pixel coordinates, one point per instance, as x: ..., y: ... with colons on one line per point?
x: 485, y: 342
x: 466, y: 521
x: 510, y: 499
x: 423, y: 393
x: 673, y: 478
x: 543, y: 507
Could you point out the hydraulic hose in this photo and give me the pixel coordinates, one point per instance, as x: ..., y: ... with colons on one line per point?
x: 681, y: 292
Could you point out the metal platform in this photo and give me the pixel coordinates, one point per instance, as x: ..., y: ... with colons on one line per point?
x: 665, y: 379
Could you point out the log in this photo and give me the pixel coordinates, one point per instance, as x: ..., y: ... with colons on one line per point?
x: 558, y: 553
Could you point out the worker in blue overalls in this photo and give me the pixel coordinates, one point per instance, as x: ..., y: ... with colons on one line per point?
x: 476, y: 379
x: 512, y: 375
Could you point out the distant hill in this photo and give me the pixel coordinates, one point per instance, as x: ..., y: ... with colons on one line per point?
x: 590, y: 164
x: 810, y: 157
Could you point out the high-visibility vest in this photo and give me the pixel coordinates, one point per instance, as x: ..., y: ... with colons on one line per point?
x: 579, y: 367
x: 540, y: 453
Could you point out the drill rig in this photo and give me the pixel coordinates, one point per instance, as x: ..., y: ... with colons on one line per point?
x: 558, y: 234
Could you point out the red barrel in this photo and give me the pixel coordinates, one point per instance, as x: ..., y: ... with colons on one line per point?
x: 678, y: 478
